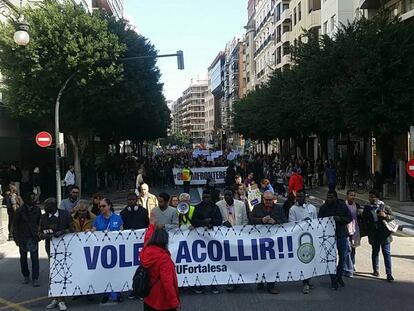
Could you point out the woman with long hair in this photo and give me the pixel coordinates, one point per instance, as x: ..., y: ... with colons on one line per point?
x: 163, y: 277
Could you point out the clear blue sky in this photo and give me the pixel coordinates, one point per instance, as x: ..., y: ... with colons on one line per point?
x: 201, y: 28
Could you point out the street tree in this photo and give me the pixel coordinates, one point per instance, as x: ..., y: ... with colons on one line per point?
x: 65, y: 39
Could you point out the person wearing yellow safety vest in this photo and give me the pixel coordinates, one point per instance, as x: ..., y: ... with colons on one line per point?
x: 186, y: 174
x: 185, y: 219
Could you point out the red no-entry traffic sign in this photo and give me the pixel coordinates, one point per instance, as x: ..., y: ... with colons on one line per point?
x: 410, y: 168
x: 43, y: 139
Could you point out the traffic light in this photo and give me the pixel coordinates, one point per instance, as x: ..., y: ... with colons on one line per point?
x: 180, y: 60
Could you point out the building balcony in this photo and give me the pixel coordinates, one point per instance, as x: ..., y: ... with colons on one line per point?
x: 285, y: 38
x: 286, y: 16
x: 286, y: 60
x: 369, y: 4
x: 408, y: 10
x: 314, y: 19
x: 112, y: 7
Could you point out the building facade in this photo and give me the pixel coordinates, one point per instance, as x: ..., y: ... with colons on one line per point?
x: 249, y: 45
x: 283, y: 31
x: 264, y: 55
x: 113, y: 7
x: 216, y: 77
x: 189, y: 112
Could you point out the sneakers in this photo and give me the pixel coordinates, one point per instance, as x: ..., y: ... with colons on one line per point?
x: 231, y: 288
x: 306, y: 289
x: 214, y: 289
x: 36, y: 283
x: 26, y: 280
x: 197, y: 289
x: 62, y: 306
x: 375, y: 273
x: 390, y: 278
x: 131, y: 296
x: 53, y: 304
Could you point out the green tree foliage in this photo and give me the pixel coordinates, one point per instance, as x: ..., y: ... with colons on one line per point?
x: 359, y: 81
x: 140, y: 112
x: 109, y: 97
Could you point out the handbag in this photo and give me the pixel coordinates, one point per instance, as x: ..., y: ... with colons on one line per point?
x: 391, y: 226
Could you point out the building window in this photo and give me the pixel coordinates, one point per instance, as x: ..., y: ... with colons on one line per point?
x: 299, y: 11
x: 408, y: 5
x: 278, y: 12
x: 294, y: 16
x: 332, y: 26
x: 325, y: 28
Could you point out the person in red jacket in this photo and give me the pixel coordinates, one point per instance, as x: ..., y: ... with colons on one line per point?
x: 295, y: 182
x: 157, y: 259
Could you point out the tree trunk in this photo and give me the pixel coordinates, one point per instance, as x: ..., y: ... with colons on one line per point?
x: 78, y: 147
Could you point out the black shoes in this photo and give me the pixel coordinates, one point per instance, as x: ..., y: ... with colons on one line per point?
x: 375, y: 273
x: 341, y: 282
x: 390, y: 278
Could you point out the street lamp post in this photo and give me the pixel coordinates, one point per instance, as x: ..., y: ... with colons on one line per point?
x: 21, y: 35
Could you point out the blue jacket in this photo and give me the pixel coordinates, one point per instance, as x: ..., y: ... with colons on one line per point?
x: 114, y: 223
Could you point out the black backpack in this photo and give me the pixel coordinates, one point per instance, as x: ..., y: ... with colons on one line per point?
x: 141, y: 282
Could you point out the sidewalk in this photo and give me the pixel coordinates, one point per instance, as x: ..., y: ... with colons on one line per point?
x: 404, y: 211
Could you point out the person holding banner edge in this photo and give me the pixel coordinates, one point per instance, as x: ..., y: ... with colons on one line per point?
x: 342, y: 216
x: 186, y: 174
x: 54, y: 223
x: 234, y: 213
x: 108, y: 221
x: 301, y: 211
x: 269, y: 213
x: 206, y: 214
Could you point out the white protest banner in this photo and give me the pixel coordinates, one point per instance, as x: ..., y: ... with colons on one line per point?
x: 200, y: 175
x: 98, y: 262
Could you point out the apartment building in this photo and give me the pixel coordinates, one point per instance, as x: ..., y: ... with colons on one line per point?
x: 283, y: 29
x: 264, y: 55
x: 404, y: 8
x: 189, y: 111
x: 113, y: 7
x: 249, y: 46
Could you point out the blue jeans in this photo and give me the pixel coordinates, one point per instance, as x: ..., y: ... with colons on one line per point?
x: 386, y: 252
x: 350, y: 260
x: 343, y: 249
x: 32, y: 247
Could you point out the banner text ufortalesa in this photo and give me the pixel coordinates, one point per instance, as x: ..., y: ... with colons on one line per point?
x: 87, y: 263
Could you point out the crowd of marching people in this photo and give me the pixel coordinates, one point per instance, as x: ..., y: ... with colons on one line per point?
x: 230, y: 208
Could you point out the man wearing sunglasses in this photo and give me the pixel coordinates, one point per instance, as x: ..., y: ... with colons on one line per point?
x: 268, y: 213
